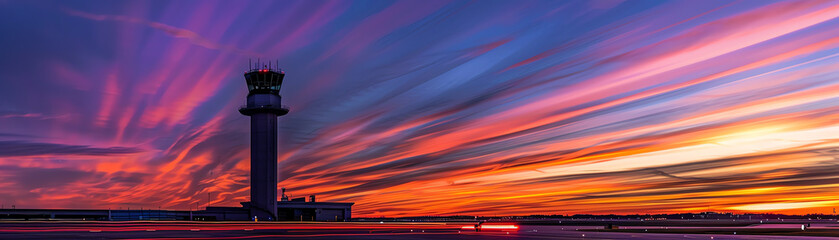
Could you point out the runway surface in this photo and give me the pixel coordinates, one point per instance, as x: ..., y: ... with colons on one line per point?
x: 375, y: 230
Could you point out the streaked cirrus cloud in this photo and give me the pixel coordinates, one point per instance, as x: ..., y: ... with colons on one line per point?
x: 427, y: 107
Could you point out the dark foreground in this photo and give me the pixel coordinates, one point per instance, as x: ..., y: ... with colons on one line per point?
x: 376, y: 230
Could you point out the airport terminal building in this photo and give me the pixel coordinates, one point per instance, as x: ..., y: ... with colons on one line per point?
x: 294, y: 210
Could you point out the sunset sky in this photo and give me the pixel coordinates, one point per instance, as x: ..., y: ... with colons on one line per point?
x: 423, y: 107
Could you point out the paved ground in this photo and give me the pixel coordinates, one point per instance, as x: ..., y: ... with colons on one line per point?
x: 291, y: 230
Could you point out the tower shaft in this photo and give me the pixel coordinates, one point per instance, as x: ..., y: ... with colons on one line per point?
x: 264, y: 164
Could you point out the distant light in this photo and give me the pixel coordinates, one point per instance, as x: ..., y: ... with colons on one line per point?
x: 499, y: 227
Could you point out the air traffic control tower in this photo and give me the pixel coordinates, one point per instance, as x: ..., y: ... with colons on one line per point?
x: 264, y: 106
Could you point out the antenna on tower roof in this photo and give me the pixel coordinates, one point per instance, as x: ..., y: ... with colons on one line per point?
x: 250, y: 65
